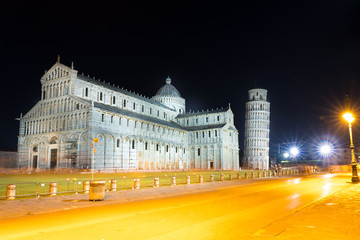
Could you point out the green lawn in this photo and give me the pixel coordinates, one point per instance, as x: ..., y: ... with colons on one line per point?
x: 38, y: 183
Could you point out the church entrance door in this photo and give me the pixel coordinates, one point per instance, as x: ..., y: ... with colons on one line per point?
x: 53, y: 158
x: 35, y: 160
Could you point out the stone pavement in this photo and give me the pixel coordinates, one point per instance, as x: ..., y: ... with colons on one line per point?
x: 31, y: 206
x: 334, y: 217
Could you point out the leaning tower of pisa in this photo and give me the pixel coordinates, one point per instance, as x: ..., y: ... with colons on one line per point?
x: 257, y: 130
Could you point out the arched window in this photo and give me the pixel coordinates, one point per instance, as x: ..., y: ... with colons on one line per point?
x: 100, y: 96
x: 198, y: 151
x: 134, y: 106
x: 86, y: 92
x: 146, y: 146
x: 167, y: 148
x: 118, y: 143
x: 157, y: 147
x: 124, y: 103
x: 133, y: 144
x: 114, y: 100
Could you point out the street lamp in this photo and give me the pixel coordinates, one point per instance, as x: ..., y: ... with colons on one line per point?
x: 355, y: 178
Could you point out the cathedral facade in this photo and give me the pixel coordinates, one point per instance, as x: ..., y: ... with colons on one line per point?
x: 131, y: 131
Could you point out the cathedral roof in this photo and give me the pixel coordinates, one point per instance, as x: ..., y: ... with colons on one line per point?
x: 205, y: 127
x: 168, y: 90
x: 191, y: 114
x: 137, y: 115
x: 120, y: 90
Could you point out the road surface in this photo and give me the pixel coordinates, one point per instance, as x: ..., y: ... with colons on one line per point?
x: 236, y: 212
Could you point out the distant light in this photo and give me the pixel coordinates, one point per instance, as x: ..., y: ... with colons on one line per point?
x: 294, y: 151
x: 286, y: 155
x: 326, y: 149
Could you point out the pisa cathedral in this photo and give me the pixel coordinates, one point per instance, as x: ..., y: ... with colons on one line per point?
x: 133, y: 131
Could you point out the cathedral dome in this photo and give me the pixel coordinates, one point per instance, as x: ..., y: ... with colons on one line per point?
x: 168, y: 90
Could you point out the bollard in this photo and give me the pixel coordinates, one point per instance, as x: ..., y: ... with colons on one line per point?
x: 156, y: 182
x: 173, y: 181
x: 53, y: 189
x: 239, y: 176
x: 222, y: 177
x: 230, y: 176
x: 86, y: 186
x: 10, y: 192
x: 136, y: 183
x: 253, y: 175
x: 246, y: 175
x: 201, y: 178
x: 264, y: 174
x: 258, y: 175
x: 187, y: 179
x: 211, y: 178
x: 113, y: 185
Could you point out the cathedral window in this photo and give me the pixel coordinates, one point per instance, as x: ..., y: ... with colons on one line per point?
x: 203, y: 134
x: 120, y: 121
x: 146, y: 146
x: 164, y: 115
x: 158, y: 113
x: 77, y: 106
x: 43, y: 94
x: 197, y: 121
x: 124, y: 103
x: 215, y: 133
x: 197, y: 135
x: 118, y: 143
x: 184, y: 150
x: 167, y: 148
x: 134, y: 106
x: 207, y: 119
x: 198, y: 151
x: 111, y: 119
x: 113, y: 100
x: 150, y: 111
x: 133, y: 144
x: 86, y: 92
x: 100, y: 96
x: 218, y: 118
x: 176, y: 149
x: 209, y: 134
x: 157, y: 147
x: 142, y: 108
x: 187, y: 122
x: 102, y: 117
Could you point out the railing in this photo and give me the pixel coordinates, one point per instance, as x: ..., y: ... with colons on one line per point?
x: 10, y: 191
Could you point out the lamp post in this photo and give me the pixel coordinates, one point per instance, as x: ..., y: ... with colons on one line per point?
x: 355, y: 178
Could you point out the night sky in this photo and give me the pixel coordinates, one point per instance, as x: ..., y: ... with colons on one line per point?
x: 306, y: 54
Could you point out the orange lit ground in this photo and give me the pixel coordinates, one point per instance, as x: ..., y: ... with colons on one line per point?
x: 260, y: 211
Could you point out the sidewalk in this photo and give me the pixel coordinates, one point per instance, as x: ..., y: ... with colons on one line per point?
x: 335, y: 217
x: 32, y: 206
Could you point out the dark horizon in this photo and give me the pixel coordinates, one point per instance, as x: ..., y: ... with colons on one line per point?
x: 305, y: 54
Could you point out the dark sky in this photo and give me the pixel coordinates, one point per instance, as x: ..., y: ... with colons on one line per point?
x: 306, y: 54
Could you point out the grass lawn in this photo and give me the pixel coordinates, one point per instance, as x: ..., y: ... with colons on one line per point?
x: 38, y: 183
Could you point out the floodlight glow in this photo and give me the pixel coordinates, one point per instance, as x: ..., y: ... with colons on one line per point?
x: 286, y: 155
x: 349, y: 117
x: 325, y: 149
x: 294, y: 151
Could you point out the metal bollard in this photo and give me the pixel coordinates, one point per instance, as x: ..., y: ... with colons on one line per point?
x: 10, y: 192
x: 246, y: 175
x: 230, y: 176
x: 53, y: 189
x: 211, y: 178
x: 187, y: 179
x: 201, y: 178
x: 173, y: 181
x: 113, y: 185
x: 239, y: 176
x: 136, y: 183
x: 156, y: 182
x: 222, y: 177
x: 86, y: 186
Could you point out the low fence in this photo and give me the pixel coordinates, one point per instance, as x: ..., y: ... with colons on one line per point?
x: 12, y: 191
